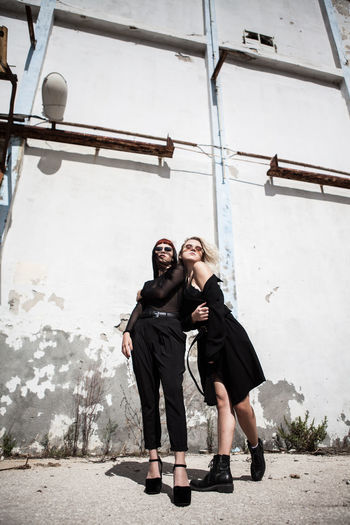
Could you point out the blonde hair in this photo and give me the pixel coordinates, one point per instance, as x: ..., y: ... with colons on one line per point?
x: 210, y: 253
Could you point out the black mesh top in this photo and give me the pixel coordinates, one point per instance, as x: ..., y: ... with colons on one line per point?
x: 163, y: 294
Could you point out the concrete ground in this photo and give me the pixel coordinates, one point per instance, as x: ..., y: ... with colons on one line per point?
x: 296, y: 489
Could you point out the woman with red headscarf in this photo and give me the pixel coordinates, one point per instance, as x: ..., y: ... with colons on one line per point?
x: 156, y: 342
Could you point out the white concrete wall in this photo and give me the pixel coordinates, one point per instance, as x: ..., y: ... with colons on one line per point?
x: 297, y: 27
x: 83, y: 225
x: 92, y: 208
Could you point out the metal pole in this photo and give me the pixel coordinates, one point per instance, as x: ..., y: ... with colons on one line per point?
x: 338, y: 42
x: 223, y: 215
x: 24, y: 103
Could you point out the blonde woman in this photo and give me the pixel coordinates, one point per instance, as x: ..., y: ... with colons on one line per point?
x: 228, y: 365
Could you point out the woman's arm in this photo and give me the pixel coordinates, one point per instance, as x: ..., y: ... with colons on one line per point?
x: 162, y: 286
x: 201, y: 273
x: 135, y: 314
x: 127, y: 341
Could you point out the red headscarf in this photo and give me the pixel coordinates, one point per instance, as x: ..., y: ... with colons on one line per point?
x: 165, y: 241
x: 154, y: 258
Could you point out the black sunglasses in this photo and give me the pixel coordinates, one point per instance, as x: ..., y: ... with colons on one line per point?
x: 161, y: 248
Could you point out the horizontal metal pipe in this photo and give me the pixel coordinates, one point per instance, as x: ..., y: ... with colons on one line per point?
x: 266, y: 157
x: 186, y: 143
x: 305, y: 176
x: 131, y: 133
x: 84, y: 139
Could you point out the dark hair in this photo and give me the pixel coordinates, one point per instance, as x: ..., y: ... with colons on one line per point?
x: 154, y: 257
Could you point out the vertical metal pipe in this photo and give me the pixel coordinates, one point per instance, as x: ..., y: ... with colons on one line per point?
x: 222, y: 199
x: 30, y: 25
x: 24, y: 104
x: 338, y: 42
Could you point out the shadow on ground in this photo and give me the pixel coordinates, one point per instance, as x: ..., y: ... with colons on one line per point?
x: 136, y: 472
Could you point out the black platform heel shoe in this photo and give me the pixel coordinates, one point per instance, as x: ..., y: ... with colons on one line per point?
x: 181, y: 495
x: 154, y: 485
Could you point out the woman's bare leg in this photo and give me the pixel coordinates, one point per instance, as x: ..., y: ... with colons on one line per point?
x: 180, y: 474
x: 153, y: 466
x: 226, y: 419
x: 246, y: 418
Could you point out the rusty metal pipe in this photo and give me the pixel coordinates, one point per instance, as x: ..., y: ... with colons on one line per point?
x: 122, y: 132
x: 222, y: 57
x: 30, y: 25
x: 306, y: 176
x: 94, y: 141
x: 295, y: 163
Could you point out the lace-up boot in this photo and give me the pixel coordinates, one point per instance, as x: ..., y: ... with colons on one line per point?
x: 257, y: 468
x: 219, y: 477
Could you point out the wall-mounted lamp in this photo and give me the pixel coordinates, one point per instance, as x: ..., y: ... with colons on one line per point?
x: 54, y: 94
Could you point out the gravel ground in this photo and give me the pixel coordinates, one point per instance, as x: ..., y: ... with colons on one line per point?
x: 296, y: 489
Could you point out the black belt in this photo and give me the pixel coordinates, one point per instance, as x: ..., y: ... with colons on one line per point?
x: 155, y: 314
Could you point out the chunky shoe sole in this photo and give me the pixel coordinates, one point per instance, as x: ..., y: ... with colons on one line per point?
x: 223, y: 488
x: 153, y: 486
x: 182, y: 496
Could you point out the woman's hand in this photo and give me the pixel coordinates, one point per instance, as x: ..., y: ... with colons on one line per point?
x: 201, y: 313
x: 127, y: 345
x: 138, y: 296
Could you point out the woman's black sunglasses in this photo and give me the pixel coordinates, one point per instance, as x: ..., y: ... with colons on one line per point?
x: 161, y: 248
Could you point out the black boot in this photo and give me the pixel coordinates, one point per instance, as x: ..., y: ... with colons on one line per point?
x: 257, y: 468
x: 219, y: 477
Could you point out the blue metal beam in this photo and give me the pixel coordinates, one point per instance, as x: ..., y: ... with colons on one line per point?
x: 223, y: 213
x: 338, y: 42
x: 24, y: 104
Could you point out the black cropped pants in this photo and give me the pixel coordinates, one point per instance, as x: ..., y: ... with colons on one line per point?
x: 158, y: 356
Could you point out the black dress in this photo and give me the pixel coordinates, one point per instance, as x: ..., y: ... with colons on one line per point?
x: 224, y: 341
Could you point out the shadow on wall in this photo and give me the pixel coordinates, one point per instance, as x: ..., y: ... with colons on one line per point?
x: 272, y: 189
x: 50, y: 162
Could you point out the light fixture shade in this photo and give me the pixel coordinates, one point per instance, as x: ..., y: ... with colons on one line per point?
x: 54, y: 94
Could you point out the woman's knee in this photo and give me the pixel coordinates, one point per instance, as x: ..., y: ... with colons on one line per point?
x: 244, y: 408
x: 222, y: 399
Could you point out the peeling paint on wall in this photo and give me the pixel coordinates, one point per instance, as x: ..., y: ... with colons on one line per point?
x: 12, y: 384
x: 14, y: 301
x: 59, y: 426
x: 6, y: 399
x: 37, y: 296
x: 275, y: 398
x: 346, y: 421
x: 59, y: 301
x: 267, y: 297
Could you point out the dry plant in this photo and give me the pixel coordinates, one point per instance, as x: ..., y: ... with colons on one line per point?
x: 88, y: 396
x: 93, y: 385
x: 133, y: 417
x: 108, y: 432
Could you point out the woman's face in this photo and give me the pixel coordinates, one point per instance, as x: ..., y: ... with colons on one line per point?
x: 164, y: 254
x: 192, y: 251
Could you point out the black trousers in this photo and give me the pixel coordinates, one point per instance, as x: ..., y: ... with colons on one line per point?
x: 158, y: 356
